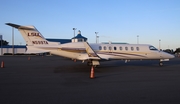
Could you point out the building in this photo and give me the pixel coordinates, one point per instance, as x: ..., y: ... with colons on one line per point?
x: 79, y: 38
x: 18, y: 49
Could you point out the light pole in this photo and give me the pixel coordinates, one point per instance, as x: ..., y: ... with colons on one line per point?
x: 74, y: 32
x: 159, y: 44
x: 1, y: 44
x: 12, y: 40
x: 97, y: 39
x: 96, y: 36
x: 137, y: 39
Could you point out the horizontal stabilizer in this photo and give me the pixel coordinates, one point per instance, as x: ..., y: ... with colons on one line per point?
x: 19, y: 26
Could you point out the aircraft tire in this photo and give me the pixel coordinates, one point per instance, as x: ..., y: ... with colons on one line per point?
x: 160, y: 64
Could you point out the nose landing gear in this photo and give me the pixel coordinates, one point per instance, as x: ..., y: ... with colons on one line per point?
x: 160, y: 63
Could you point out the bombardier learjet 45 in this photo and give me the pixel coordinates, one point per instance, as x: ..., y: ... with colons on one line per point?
x: 92, y: 53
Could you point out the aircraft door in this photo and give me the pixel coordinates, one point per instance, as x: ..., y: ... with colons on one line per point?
x: 110, y: 48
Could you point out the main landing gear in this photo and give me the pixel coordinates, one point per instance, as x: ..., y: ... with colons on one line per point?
x: 93, y: 64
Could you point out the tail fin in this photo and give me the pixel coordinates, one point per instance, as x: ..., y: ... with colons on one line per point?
x: 31, y: 35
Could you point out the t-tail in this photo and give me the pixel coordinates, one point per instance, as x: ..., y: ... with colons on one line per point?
x: 33, y: 38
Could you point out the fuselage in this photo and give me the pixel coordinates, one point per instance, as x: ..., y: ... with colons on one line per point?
x: 110, y: 51
x: 129, y: 51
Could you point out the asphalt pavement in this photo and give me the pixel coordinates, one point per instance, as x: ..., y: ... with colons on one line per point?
x: 57, y: 80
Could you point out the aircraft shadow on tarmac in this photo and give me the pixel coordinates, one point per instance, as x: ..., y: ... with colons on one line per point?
x: 107, y: 66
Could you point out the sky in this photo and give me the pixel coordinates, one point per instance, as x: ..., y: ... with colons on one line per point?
x: 155, y: 22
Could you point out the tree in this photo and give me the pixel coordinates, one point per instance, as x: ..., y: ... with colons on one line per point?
x: 168, y: 51
x: 177, y: 50
x: 4, y: 42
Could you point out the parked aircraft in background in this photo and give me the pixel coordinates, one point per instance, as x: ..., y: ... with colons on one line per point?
x: 92, y: 53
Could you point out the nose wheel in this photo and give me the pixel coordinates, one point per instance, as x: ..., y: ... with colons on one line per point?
x: 160, y: 64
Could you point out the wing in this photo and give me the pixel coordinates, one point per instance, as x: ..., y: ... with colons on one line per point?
x: 91, y: 54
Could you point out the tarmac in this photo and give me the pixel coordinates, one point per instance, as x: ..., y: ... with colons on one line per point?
x: 58, y: 80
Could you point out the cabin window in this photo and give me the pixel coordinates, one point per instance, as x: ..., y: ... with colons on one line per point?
x: 126, y: 48
x: 114, y: 48
x: 100, y: 48
x: 132, y: 48
x: 104, y: 47
x: 120, y: 48
x: 137, y: 48
x: 152, y: 48
x: 110, y: 48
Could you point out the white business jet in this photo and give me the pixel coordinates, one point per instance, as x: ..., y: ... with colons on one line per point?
x: 92, y: 53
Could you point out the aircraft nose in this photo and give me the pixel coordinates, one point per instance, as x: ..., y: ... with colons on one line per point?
x: 171, y: 56
x: 167, y: 55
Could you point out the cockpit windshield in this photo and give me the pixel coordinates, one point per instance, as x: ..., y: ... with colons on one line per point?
x: 152, y: 48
